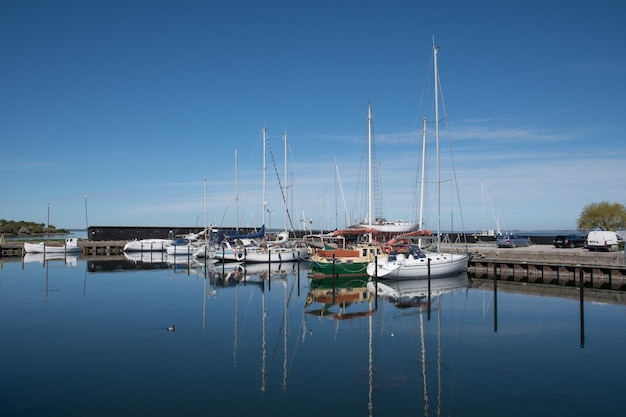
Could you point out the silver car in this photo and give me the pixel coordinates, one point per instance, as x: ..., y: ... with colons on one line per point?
x: 512, y: 241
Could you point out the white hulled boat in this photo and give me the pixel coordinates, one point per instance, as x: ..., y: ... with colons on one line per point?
x: 147, y: 245
x: 70, y: 245
x: 415, y: 263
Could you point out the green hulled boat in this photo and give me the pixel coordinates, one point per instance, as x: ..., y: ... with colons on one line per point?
x: 342, y: 262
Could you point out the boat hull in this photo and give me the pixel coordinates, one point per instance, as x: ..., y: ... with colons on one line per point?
x: 275, y: 254
x: 147, y: 245
x: 70, y: 246
x: 343, y: 262
x: 180, y: 250
x: 339, y: 268
x: 432, y: 265
x: 393, y: 227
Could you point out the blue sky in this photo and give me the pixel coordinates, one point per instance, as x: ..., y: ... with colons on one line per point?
x: 124, y: 107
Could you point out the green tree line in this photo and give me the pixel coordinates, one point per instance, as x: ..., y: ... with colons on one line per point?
x: 17, y: 228
x: 603, y: 216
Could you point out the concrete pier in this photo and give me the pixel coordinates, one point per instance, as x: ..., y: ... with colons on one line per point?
x: 547, y: 264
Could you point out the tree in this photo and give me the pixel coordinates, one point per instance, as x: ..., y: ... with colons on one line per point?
x: 602, y: 215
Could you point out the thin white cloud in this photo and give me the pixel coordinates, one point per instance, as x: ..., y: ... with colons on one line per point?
x: 598, y: 68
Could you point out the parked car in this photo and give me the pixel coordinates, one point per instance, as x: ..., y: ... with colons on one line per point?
x: 570, y: 241
x: 603, y: 240
x: 512, y: 241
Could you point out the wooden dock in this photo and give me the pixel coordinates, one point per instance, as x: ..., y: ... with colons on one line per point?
x: 100, y: 248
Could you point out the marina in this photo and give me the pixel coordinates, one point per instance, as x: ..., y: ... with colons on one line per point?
x: 536, y: 264
x: 283, y: 252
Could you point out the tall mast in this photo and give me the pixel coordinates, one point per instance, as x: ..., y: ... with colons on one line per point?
x: 264, y: 169
x: 205, y: 223
x: 86, y: 217
x: 236, y: 192
x: 48, y: 227
x: 482, y: 200
x: 286, y: 188
x: 421, y: 215
x: 436, y: 71
x: 369, y: 169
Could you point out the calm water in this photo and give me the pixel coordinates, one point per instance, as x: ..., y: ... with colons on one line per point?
x: 91, y: 339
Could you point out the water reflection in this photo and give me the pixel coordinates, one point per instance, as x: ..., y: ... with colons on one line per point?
x: 272, y: 333
x: 339, y: 298
x: 404, y: 293
x: 150, y: 257
x: 70, y: 260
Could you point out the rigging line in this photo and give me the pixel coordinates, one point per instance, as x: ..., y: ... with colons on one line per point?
x: 456, y: 184
x: 423, y: 365
x: 282, y: 191
x: 426, y: 85
x: 247, y: 310
x: 343, y: 198
x: 282, y: 327
x: 496, y: 216
x: 419, y: 116
x: 295, y: 171
x: 361, y: 203
x: 301, y: 331
x: 457, y: 356
x: 439, y: 361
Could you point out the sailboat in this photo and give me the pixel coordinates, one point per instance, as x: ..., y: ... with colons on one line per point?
x: 70, y: 245
x: 204, y: 249
x: 230, y: 245
x: 281, y: 249
x: 344, y: 262
x: 414, y: 262
x: 380, y: 224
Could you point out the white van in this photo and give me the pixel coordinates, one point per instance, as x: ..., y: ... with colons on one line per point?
x: 602, y: 240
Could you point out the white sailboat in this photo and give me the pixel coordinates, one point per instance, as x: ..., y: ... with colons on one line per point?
x: 280, y: 250
x: 416, y: 263
x: 380, y: 224
x: 69, y: 245
x: 147, y: 245
x: 204, y: 249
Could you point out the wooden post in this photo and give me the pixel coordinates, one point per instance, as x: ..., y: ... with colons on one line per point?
x: 495, y: 297
x: 582, y: 309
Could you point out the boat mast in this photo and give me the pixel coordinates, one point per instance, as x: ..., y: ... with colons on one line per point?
x: 236, y: 192
x: 86, y: 217
x: 421, y: 216
x: 204, y: 203
x: 482, y: 199
x: 48, y: 227
x: 436, y: 71
x: 264, y: 169
x: 286, y: 188
x: 369, y: 169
